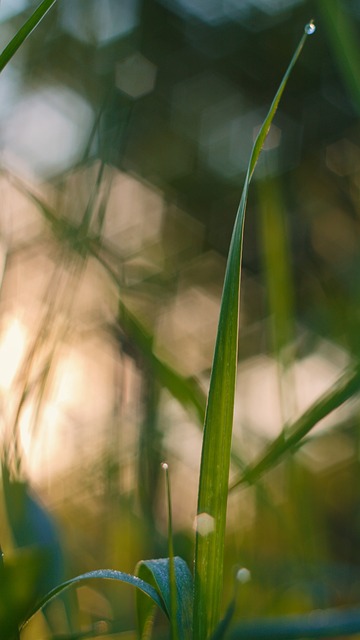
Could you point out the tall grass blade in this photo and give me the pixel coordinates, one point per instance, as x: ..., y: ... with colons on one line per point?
x: 215, y: 461
x: 24, y: 32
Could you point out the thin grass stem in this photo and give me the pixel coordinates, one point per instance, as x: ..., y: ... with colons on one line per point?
x: 172, y: 576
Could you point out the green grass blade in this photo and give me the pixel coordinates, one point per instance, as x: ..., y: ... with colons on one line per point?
x: 23, y: 569
x: 342, y: 390
x: 103, y: 574
x: 172, y: 578
x: 215, y: 461
x: 318, y: 624
x: 279, y: 289
x: 24, y: 32
x: 344, y: 40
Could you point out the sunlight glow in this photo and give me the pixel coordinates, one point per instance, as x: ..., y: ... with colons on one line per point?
x: 12, y: 349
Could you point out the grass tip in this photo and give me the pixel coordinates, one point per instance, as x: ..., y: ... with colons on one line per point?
x: 310, y: 28
x: 243, y: 575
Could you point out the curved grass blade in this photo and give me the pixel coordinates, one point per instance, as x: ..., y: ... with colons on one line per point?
x: 347, y: 385
x: 103, y: 574
x: 24, y: 32
x: 156, y: 573
x: 318, y: 624
x: 215, y: 461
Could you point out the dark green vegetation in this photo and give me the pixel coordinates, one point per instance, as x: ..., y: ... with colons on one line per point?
x: 293, y: 493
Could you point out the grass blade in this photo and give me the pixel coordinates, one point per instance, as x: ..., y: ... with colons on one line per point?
x: 172, y: 579
x: 103, y: 574
x: 215, y: 461
x: 343, y: 38
x: 342, y: 390
x: 24, y: 32
x: 279, y: 288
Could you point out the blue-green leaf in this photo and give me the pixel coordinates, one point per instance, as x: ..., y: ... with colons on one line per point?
x: 32, y: 527
x: 156, y: 573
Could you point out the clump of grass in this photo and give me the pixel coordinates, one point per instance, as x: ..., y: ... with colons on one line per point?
x: 193, y: 604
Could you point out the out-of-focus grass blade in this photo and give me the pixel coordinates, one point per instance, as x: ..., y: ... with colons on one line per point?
x: 24, y: 32
x: 156, y: 573
x: 344, y: 40
x: 103, y: 574
x: 276, y: 261
x: 318, y: 624
x: 342, y: 390
x: 17, y: 593
x: 32, y: 527
x: 186, y: 390
x: 215, y: 461
x: 279, y: 288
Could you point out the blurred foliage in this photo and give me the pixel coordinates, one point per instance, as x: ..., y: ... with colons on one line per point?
x: 126, y: 129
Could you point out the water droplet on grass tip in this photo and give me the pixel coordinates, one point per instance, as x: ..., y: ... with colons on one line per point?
x: 243, y: 575
x: 310, y: 28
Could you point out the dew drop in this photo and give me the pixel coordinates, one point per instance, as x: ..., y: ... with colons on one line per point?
x: 243, y: 575
x: 310, y: 28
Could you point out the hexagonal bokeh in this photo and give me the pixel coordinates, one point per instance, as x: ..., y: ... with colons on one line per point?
x: 99, y: 23
x: 199, y: 95
x: 227, y: 139
x: 9, y: 9
x: 218, y: 12
x: 136, y: 75
x: 47, y: 131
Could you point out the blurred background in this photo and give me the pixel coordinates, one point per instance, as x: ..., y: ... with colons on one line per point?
x: 126, y: 128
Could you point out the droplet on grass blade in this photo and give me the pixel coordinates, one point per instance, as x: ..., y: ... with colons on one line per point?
x: 310, y: 28
x: 204, y: 524
x: 243, y: 575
